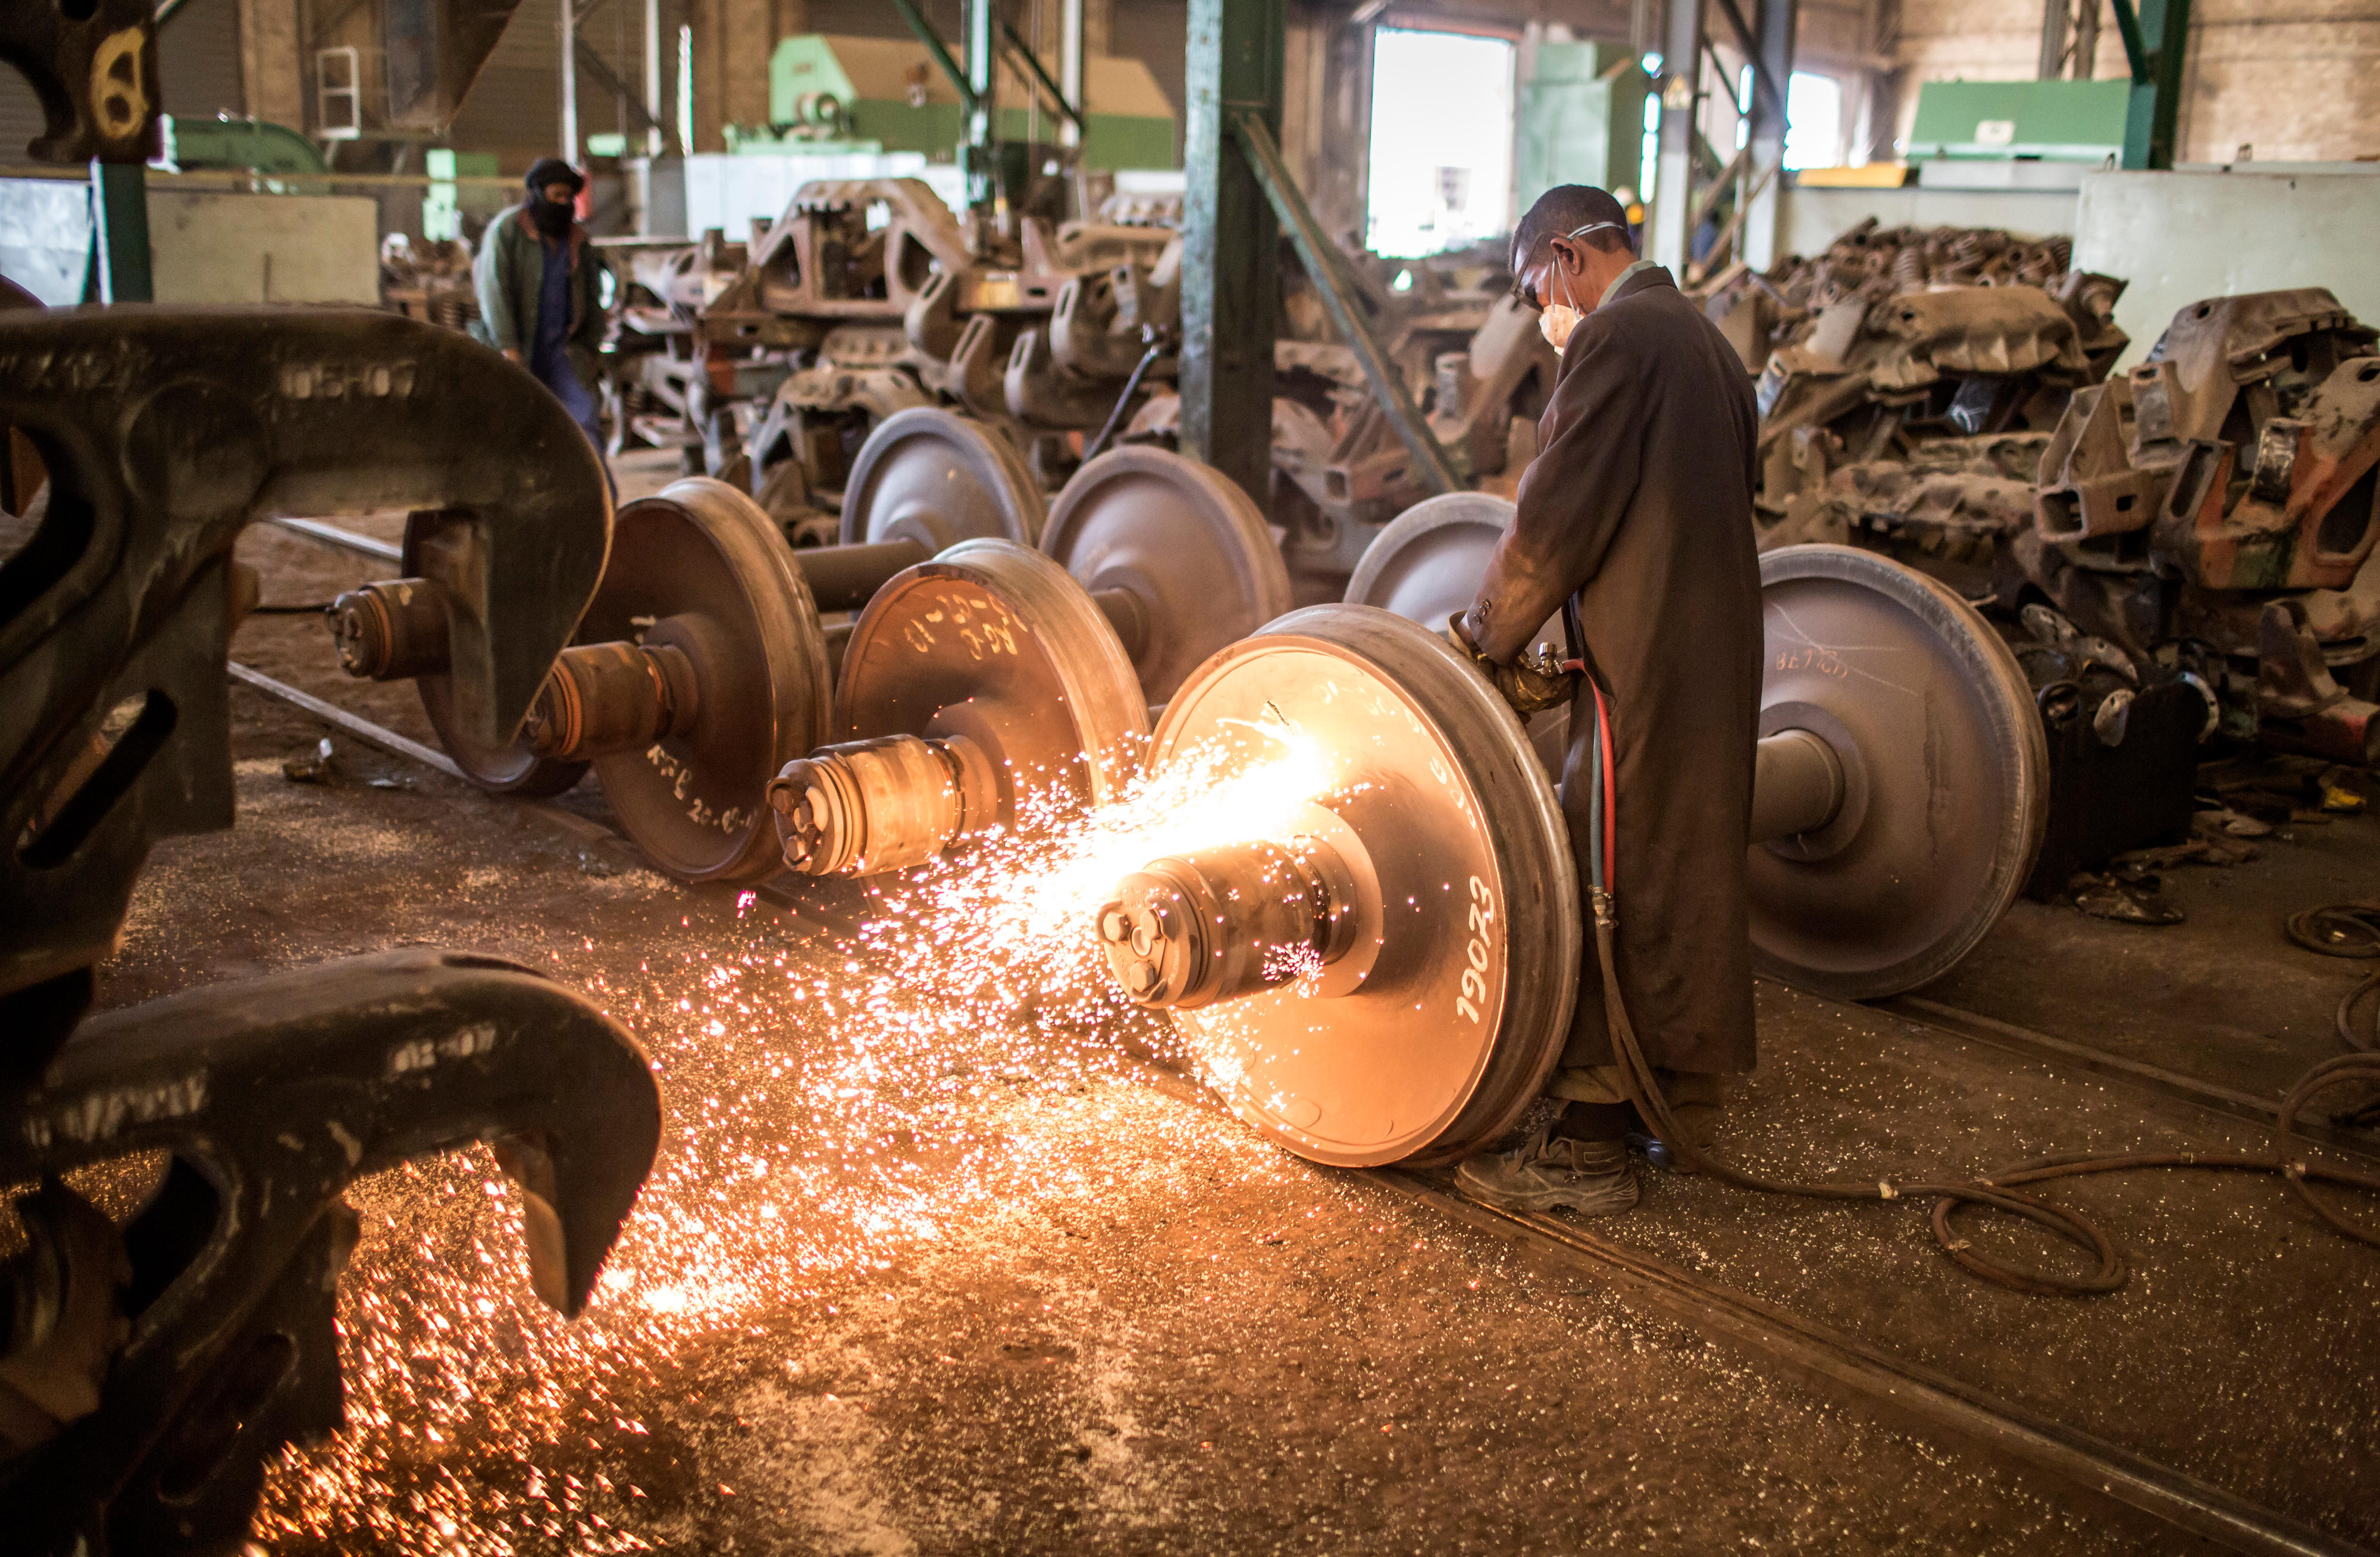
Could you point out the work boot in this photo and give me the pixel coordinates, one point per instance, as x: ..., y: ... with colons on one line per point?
x: 1591, y: 1177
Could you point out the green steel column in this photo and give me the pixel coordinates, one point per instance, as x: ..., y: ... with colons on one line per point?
x: 982, y: 64
x: 2157, y: 44
x: 119, y: 222
x: 1230, y: 277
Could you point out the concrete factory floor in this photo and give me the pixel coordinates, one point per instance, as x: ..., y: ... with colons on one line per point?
x: 900, y: 1287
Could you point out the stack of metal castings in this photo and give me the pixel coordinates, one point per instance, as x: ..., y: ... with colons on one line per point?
x: 867, y: 297
x: 2216, y: 506
x: 151, y: 1369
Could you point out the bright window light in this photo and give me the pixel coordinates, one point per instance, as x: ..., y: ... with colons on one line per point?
x: 1813, y: 121
x: 1441, y: 141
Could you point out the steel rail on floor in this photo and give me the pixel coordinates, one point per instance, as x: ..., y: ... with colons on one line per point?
x: 1929, y: 1399
x: 2066, y: 1053
x: 343, y: 539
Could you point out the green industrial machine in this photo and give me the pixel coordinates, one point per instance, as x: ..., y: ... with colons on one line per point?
x: 1582, y: 120
x: 243, y: 145
x: 829, y: 93
x: 2009, y: 121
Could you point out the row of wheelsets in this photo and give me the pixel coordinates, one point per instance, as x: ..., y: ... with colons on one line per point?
x: 966, y: 663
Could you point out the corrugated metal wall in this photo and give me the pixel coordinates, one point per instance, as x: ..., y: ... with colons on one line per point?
x: 1157, y: 33
x: 515, y: 109
x: 198, y: 60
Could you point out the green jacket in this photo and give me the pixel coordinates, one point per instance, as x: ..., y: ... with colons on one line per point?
x: 510, y: 273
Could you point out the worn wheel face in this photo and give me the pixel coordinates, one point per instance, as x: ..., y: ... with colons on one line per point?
x: 506, y: 769
x: 1945, y: 774
x: 1184, y: 541
x: 1455, y: 1025
x: 993, y: 642
x: 1428, y: 563
x: 938, y: 478
x: 702, y: 568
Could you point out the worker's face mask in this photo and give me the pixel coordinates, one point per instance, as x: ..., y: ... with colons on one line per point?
x: 1556, y: 321
x: 552, y: 218
x: 1556, y: 324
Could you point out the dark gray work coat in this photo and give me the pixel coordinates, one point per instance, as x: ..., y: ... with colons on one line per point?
x: 1641, y: 503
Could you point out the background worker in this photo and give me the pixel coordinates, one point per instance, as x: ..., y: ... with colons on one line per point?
x: 541, y: 291
x: 1640, y: 508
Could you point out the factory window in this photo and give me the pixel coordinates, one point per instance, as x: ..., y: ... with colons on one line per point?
x: 1813, y: 120
x: 1441, y: 167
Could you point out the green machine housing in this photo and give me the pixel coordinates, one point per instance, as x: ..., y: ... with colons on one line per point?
x: 2019, y: 121
x: 1582, y: 120
x: 829, y: 92
x: 245, y: 145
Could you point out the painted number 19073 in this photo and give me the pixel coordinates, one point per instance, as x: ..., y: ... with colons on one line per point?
x: 1475, y: 951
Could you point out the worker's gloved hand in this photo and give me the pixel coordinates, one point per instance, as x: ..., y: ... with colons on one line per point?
x: 1461, y: 644
x: 1531, y: 684
x: 1537, y: 681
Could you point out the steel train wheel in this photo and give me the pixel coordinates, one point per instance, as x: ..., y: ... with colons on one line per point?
x: 993, y: 640
x: 938, y: 478
x: 1184, y: 540
x: 702, y: 566
x: 1427, y: 563
x: 1945, y: 774
x: 1460, y: 831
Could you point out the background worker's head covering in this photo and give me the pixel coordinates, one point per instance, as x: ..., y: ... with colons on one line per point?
x: 552, y: 220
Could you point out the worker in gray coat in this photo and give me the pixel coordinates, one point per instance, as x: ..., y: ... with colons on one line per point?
x: 541, y: 291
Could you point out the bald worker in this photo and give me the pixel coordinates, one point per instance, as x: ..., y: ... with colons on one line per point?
x: 1639, y: 509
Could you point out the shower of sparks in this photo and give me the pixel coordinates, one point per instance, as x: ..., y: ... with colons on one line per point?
x: 813, y: 1099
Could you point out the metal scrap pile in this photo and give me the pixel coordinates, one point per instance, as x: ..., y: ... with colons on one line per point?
x: 429, y: 280
x: 776, y: 358
x: 1471, y: 358
x: 1908, y: 384
x: 771, y: 361
x: 1944, y: 397
x: 2217, y: 504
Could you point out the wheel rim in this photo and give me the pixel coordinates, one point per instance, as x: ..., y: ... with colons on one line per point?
x: 1428, y: 563
x: 937, y: 477
x: 997, y: 636
x: 512, y: 768
x: 703, y: 561
x: 1946, y: 775
x: 1181, y: 538
x: 1439, y: 781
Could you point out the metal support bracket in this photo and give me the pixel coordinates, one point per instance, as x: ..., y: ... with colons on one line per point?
x: 2156, y: 46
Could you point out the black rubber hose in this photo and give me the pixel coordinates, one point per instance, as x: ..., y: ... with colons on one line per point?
x: 1131, y: 387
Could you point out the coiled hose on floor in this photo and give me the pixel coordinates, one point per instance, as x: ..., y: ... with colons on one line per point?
x: 1998, y: 1191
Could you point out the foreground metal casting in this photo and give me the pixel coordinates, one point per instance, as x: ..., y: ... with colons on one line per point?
x: 151, y: 1369
x: 154, y: 1373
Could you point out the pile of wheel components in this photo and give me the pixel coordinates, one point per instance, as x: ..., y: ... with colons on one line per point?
x: 1470, y: 356
x: 868, y: 298
x: 429, y: 280
x: 2224, y: 494
x: 703, y: 665
x: 150, y: 1371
